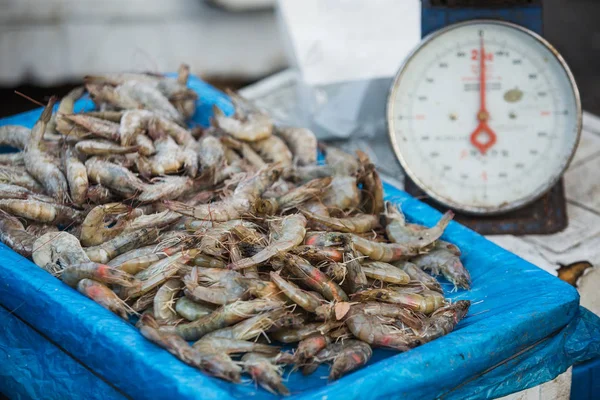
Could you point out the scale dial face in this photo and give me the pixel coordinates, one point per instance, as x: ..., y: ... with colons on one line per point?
x: 484, y: 116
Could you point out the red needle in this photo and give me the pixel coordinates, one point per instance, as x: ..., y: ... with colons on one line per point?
x: 483, y: 137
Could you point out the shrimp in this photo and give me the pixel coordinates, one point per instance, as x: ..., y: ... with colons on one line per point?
x: 166, y: 187
x: 342, y: 163
x: 314, y: 278
x: 144, y: 145
x: 244, y: 196
x: 115, y: 177
x: 40, y: 211
x: 212, y: 240
x: 452, y: 248
x: 17, y: 159
x: 310, y: 346
x: 56, y: 250
x: 293, y: 335
x: 290, y: 231
x: 443, y: 321
x: 191, y: 310
x: 14, y: 136
x: 318, y: 253
x: 274, y: 150
x: 337, y: 272
x: 19, y: 176
x: 159, y: 125
x: 120, y: 244
x: 220, y: 366
x: 77, y: 178
x: 102, y: 295
x: 66, y: 106
x: 211, y: 153
x: 225, y: 316
x: 446, y: 263
x: 415, y: 235
x: 378, y: 331
x: 351, y: 357
x: 426, y: 302
x: 385, y: 272
x: 301, y: 297
x: 308, y: 172
x: 164, y: 300
x: 98, y: 194
x: 302, y: 142
x: 225, y: 286
x: 94, y: 229
x: 248, y: 123
x: 72, y: 274
x: 248, y: 154
x: 372, y: 186
x: 14, y: 235
x: 133, y: 123
x: 359, y: 223
x: 41, y: 164
x: 97, y: 126
x: 8, y: 191
x: 299, y: 195
x: 251, y: 327
x: 232, y: 346
x: 147, y: 97
x: 204, y: 261
x: 265, y: 373
x: 114, y: 116
x: 342, y: 194
x: 357, y: 280
x: 100, y: 147
x: 156, y: 274
x: 396, y: 311
x: 418, y: 275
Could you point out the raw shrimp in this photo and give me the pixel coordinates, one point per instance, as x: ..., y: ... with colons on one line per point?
x: 310, y: 346
x: 104, y: 296
x: 301, y: 297
x: 265, y: 373
x: 8, y: 191
x: 446, y: 263
x: 443, y: 321
x: 359, y: 223
x: 318, y: 253
x: 399, y: 231
x: 117, y: 178
x: 94, y: 229
x: 426, y: 302
x: 181, y: 135
x: 41, y: 164
x: 342, y: 194
x: 385, y: 272
x: 97, y: 126
x: 211, y: 153
x: 351, y: 357
x: 108, y: 250
x: 233, y: 346
x: 204, y: 261
x: 14, y: 235
x: 418, y: 275
x: 164, y: 301
x: 293, y: 335
x: 191, y: 310
x: 273, y: 150
x: 224, y: 316
x: 342, y: 163
x: 302, y: 142
x: 250, y: 328
x: 396, y: 311
x: 148, y: 98
x: 19, y: 176
x: 133, y: 124
x: 114, y: 116
x: 100, y: 147
x: 357, y: 280
x: 301, y: 194
x: 372, y: 187
x: 14, y: 136
x: 212, y: 241
x: 156, y: 274
x: 66, y: 106
x: 290, y: 231
x: 220, y: 366
x: 145, y: 145
x: 165, y: 188
x: 17, y: 159
x: 40, y: 211
x: 250, y: 156
x: 241, y: 201
x: 76, y: 176
x: 225, y: 288
x: 98, y: 194
x: 54, y: 251
x: 378, y: 331
x: 314, y: 278
x: 248, y: 123
x: 73, y: 273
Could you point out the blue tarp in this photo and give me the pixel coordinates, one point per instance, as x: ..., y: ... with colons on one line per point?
x: 525, y: 327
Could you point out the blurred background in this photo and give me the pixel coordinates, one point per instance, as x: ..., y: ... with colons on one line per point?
x: 46, y: 46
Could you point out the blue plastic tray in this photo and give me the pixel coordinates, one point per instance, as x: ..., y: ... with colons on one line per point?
x: 524, y: 328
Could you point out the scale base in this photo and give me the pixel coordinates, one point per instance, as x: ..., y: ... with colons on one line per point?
x: 545, y: 216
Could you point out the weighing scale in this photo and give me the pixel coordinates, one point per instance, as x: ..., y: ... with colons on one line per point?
x: 485, y: 116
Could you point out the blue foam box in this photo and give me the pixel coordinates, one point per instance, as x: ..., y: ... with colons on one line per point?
x: 524, y: 328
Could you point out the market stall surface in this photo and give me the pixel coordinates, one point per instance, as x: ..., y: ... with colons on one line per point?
x: 524, y: 327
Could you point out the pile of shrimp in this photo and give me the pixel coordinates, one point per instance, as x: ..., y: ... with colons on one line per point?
x: 223, y: 243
